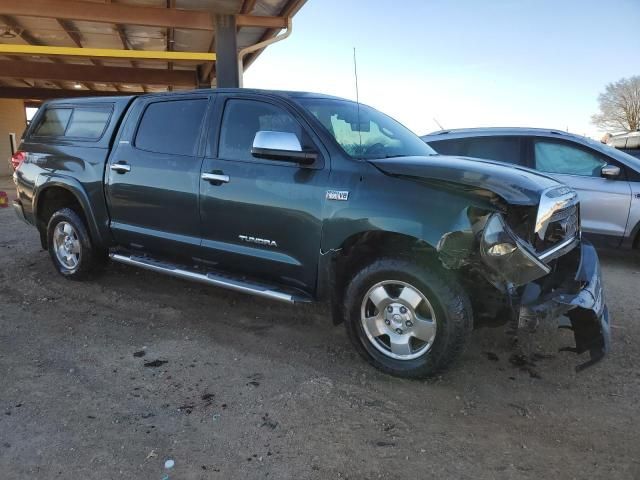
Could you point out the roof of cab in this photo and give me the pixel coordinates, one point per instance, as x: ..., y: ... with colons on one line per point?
x: 256, y: 91
x: 126, y: 99
x: 496, y: 131
x: 117, y: 99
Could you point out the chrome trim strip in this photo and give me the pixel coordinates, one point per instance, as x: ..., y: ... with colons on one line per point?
x: 559, y: 249
x: 214, y: 177
x: 209, y: 279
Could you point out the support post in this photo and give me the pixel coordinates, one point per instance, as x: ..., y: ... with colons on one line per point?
x: 227, y: 72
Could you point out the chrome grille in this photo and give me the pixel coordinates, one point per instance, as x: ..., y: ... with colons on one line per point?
x: 562, y: 225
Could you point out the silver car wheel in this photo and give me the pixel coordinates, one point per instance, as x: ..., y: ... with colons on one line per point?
x: 66, y: 245
x: 398, y: 320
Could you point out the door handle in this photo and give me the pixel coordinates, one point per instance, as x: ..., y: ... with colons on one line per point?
x: 215, y: 177
x: 120, y: 167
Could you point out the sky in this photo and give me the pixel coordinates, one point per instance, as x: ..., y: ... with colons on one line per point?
x: 465, y: 63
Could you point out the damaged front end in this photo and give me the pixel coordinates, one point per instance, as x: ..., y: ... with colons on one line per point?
x: 528, y: 265
x: 579, y: 297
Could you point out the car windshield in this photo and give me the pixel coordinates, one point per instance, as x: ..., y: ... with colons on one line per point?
x: 625, y: 158
x: 363, y: 132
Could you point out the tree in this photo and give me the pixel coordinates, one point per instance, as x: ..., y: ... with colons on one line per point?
x: 619, y: 106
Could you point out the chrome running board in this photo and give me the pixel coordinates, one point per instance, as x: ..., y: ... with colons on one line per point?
x: 215, y: 279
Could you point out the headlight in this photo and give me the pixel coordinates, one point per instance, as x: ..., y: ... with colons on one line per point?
x: 507, y: 256
x: 552, y: 200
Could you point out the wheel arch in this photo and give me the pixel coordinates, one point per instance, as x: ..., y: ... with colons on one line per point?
x: 59, y: 192
x: 359, y: 249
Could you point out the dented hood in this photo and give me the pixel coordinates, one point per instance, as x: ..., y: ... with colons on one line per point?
x: 516, y: 185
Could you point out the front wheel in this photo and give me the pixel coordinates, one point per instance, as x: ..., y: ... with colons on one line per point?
x: 407, y: 319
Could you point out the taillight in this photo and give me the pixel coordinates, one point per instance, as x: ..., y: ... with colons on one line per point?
x: 17, y: 158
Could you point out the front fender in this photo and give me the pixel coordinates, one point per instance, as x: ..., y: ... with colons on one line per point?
x: 412, y: 210
x: 401, y: 206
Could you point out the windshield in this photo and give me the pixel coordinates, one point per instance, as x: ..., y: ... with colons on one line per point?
x: 624, y: 157
x: 363, y: 132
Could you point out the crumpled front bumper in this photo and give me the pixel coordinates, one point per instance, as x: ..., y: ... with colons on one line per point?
x: 582, y: 301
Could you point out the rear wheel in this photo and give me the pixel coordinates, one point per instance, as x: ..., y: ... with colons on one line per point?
x: 70, y: 246
x: 407, y: 319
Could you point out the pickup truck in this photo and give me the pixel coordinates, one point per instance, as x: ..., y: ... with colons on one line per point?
x: 302, y: 197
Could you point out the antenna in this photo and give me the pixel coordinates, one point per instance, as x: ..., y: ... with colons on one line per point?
x: 438, y: 123
x: 355, y: 73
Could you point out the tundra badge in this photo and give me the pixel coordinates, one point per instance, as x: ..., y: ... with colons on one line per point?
x: 341, y: 195
x: 259, y: 241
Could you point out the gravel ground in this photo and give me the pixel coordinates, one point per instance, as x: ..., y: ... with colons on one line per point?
x: 111, y: 378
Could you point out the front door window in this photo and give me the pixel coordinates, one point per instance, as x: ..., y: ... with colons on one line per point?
x: 555, y: 157
x: 241, y: 121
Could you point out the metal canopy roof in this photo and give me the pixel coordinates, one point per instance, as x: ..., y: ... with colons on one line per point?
x: 52, y: 48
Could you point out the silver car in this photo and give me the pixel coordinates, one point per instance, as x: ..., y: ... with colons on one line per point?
x: 607, y: 180
x: 627, y: 142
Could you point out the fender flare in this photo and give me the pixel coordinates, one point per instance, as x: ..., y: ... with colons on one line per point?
x: 635, y: 236
x: 46, y: 181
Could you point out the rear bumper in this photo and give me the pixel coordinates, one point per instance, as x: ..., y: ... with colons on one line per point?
x: 17, y: 207
x: 582, y: 301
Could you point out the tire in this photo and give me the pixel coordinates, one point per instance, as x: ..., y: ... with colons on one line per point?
x: 70, y: 246
x: 432, y: 345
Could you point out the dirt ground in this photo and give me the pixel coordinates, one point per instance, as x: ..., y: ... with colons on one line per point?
x: 111, y: 378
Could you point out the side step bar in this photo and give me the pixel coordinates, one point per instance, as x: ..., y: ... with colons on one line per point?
x: 215, y: 279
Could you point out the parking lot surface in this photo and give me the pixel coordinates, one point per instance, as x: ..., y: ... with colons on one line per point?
x: 113, y: 377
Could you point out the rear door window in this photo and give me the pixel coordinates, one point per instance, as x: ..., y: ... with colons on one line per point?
x: 54, y: 122
x: 562, y: 158
x: 449, y: 147
x: 171, y: 126
x: 502, y: 149
x: 506, y: 149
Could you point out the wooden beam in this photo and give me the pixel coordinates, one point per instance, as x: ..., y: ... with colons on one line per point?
x: 13, y: 24
x: 91, y: 73
x: 76, y: 38
x: 109, y: 13
x: 243, y: 20
x: 206, y: 71
x: 247, y: 6
x: 127, y: 46
x: 123, y: 37
x: 170, y: 39
x: 71, y: 32
x: 289, y: 10
x: 47, y: 93
x: 26, y: 36
x: 12, y: 49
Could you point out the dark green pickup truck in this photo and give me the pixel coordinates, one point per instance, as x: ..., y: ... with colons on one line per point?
x: 302, y: 197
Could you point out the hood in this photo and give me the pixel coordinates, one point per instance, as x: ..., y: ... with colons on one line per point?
x: 516, y: 185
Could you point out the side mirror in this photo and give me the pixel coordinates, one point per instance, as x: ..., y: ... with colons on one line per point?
x: 610, y: 171
x: 283, y: 146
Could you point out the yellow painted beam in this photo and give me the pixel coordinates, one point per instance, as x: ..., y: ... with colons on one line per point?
x: 7, y: 49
